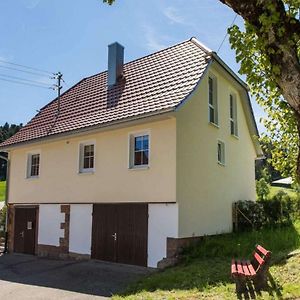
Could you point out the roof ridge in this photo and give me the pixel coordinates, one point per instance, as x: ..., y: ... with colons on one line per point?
x: 200, y: 45
x: 153, y: 53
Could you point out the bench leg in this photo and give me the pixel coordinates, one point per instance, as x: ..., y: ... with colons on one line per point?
x: 260, y: 281
x: 240, y: 284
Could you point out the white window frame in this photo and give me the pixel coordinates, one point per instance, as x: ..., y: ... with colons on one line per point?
x: 131, y: 152
x: 29, y: 164
x: 222, y: 160
x: 81, y: 169
x: 214, y: 104
x: 233, y: 118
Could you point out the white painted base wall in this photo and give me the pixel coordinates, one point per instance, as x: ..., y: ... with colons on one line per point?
x: 50, y: 218
x: 81, y: 228
x: 162, y: 223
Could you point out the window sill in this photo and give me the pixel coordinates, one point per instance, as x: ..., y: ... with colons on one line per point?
x: 139, y: 168
x: 32, y: 177
x: 235, y: 136
x: 214, y: 124
x: 90, y: 172
x: 221, y: 164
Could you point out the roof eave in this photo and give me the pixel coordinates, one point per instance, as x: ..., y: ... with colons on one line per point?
x: 88, y: 129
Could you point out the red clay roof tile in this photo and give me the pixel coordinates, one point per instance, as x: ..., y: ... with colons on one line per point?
x: 151, y: 84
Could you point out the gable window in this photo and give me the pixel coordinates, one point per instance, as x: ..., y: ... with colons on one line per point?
x: 87, y: 158
x: 233, y: 115
x: 139, y: 150
x: 212, y: 100
x: 33, y: 165
x: 221, y: 153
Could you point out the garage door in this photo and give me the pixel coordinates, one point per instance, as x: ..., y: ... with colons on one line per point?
x: 120, y: 233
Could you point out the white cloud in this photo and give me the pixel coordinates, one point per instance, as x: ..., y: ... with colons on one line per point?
x: 153, y: 40
x: 31, y: 4
x: 173, y: 15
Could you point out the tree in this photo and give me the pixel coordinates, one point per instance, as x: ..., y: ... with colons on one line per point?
x: 6, y: 131
x: 269, y: 52
x: 262, y: 185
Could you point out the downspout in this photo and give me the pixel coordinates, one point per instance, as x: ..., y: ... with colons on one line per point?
x: 6, y: 199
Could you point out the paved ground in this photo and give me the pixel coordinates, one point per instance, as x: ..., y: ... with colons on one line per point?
x: 25, y: 277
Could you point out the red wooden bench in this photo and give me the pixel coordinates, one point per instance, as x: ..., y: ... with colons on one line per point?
x: 255, y: 270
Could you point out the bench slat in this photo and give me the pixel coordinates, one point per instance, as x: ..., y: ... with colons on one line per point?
x: 245, y: 269
x: 258, y: 258
x: 251, y: 269
x: 263, y: 250
x: 234, y: 270
x: 239, y: 267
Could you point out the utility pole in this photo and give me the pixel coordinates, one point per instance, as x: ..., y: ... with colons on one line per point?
x: 59, y: 87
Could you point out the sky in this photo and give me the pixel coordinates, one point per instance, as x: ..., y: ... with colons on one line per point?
x: 72, y: 37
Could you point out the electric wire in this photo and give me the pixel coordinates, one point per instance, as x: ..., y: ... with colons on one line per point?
x: 25, y: 83
x: 24, y: 79
x: 24, y: 71
x: 26, y: 67
x: 226, y: 33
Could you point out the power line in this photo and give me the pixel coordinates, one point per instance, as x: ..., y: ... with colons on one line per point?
x: 24, y: 79
x: 29, y: 84
x: 26, y: 67
x: 226, y: 33
x: 24, y: 71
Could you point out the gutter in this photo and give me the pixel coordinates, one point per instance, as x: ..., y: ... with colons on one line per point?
x: 6, y: 200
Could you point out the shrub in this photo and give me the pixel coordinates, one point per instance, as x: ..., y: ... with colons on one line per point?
x: 281, y: 209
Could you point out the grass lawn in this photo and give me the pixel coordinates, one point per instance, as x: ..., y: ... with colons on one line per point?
x: 2, y: 190
x: 275, y: 189
x: 205, y: 271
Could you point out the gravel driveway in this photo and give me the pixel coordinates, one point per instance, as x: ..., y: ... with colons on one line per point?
x: 25, y: 277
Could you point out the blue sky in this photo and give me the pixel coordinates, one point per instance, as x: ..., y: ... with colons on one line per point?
x: 72, y: 37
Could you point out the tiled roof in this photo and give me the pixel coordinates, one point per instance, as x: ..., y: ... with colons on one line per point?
x: 151, y: 84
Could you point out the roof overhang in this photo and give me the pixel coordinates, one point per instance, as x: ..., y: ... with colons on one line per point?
x: 131, y: 121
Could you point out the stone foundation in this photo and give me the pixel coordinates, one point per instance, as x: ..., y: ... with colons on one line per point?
x: 176, y: 245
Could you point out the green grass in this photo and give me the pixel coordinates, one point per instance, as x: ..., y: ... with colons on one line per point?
x: 205, y: 270
x: 2, y: 190
x: 275, y: 189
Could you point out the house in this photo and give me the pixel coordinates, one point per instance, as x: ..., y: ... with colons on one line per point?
x: 133, y: 163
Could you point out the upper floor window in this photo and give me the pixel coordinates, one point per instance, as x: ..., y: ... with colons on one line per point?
x: 221, y: 153
x: 139, y: 150
x: 212, y: 100
x: 233, y: 115
x: 33, y: 165
x: 87, y: 157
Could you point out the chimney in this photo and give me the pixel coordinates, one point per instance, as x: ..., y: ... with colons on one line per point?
x: 115, y: 63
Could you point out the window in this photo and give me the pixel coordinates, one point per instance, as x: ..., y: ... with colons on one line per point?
x: 87, y: 157
x: 139, y: 150
x: 33, y: 165
x: 212, y: 100
x: 221, y: 153
x: 233, y: 115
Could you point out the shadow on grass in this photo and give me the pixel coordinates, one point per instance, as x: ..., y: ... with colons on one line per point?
x: 206, y: 265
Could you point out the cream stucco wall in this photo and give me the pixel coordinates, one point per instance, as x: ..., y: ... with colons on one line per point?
x: 112, y: 181
x: 205, y: 189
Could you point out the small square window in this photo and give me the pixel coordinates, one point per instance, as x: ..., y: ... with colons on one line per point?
x: 33, y: 165
x: 139, y: 150
x: 87, y: 158
x: 221, y: 153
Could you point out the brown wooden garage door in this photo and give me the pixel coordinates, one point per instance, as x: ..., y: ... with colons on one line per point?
x: 120, y: 233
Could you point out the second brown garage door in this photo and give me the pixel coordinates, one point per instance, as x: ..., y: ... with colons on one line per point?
x: 120, y: 233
